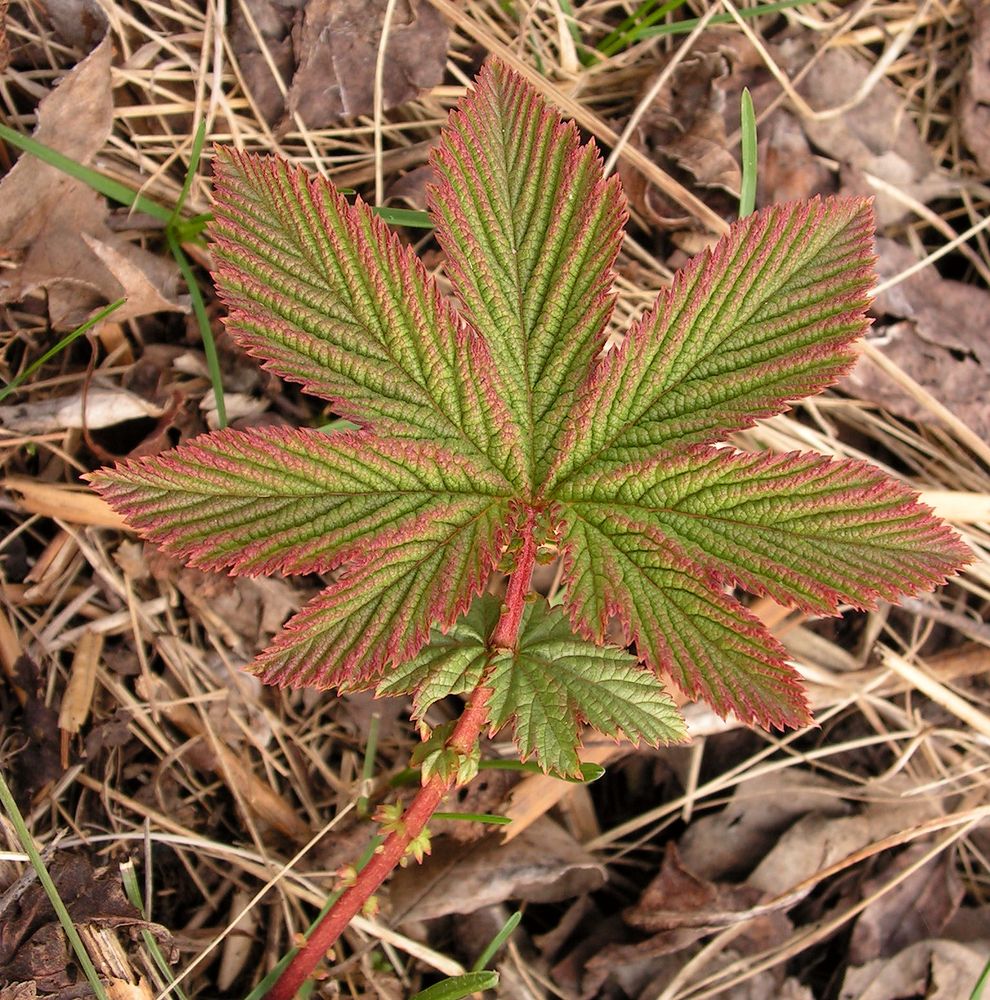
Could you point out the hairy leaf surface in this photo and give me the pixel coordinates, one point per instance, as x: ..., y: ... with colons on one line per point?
x: 454, y: 663
x: 328, y: 297
x: 798, y: 527
x: 504, y: 412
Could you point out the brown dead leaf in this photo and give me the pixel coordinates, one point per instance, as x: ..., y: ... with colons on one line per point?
x: 544, y: 864
x: 32, y: 944
x: 941, y: 343
x: 731, y: 842
x: 272, y: 20
x: 678, y: 898
x: 818, y: 840
x: 47, y: 216
x: 683, y: 130
x: 245, y: 611
x: 876, y: 136
x: 974, y: 119
x: 917, y: 909
x: 337, y: 48
x: 936, y: 970
x: 143, y: 284
x: 96, y: 409
x: 79, y: 23
x: 814, y: 842
x: 788, y: 170
x: 681, y: 908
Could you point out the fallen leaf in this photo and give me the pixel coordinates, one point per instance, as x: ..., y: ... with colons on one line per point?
x: 46, y: 216
x: 337, y: 49
x: 271, y: 21
x: 918, y: 908
x: 544, y: 864
x: 95, y: 409
x: 681, y: 908
x: 245, y: 611
x: 683, y: 130
x: 79, y: 23
x: 787, y: 168
x: 974, y: 118
x: 75, y: 119
x: 731, y: 842
x: 940, y: 342
x: 145, y: 286
x: 32, y: 943
x: 935, y: 970
x: 814, y: 842
x: 876, y: 136
x: 678, y: 898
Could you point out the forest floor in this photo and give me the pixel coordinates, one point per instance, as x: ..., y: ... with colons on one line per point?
x: 848, y: 860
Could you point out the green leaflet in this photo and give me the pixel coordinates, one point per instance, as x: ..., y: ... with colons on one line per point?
x: 450, y: 664
x: 546, y: 688
x: 328, y: 297
x: 767, y: 316
x: 503, y: 412
x: 554, y: 680
x: 531, y: 230
x: 298, y: 501
x: 800, y: 528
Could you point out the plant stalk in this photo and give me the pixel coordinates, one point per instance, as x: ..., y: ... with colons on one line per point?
x: 463, y: 740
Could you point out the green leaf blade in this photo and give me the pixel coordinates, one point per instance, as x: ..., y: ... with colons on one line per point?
x: 680, y: 621
x: 531, y: 230
x: 328, y: 297
x: 452, y: 663
x: 555, y: 680
x: 768, y: 316
x: 295, y: 501
x: 380, y: 613
x: 800, y: 528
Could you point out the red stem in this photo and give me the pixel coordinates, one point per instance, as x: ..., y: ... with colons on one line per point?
x: 464, y: 739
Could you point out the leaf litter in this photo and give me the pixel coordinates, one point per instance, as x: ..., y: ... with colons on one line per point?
x: 151, y: 776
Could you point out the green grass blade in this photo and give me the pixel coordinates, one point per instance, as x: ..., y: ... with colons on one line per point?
x: 68, y: 339
x: 689, y: 24
x: 368, y: 767
x: 194, y: 156
x: 456, y: 987
x: 627, y: 33
x: 133, y: 892
x: 27, y: 843
x: 407, y: 217
x: 496, y: 942
x: 589, y: 771
x: 107, y: 186
x: 747, y: 195
x: 977, y: 993
x: 205, y: 330
x: 491, y: 818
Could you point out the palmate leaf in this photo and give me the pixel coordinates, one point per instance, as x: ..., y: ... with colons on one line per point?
x: 481, y: 421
